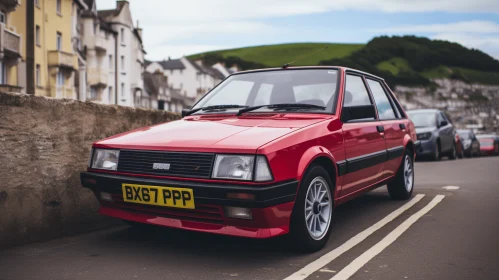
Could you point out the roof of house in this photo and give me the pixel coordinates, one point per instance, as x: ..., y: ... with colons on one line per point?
x: 172, y: 64
x: 207, y: 70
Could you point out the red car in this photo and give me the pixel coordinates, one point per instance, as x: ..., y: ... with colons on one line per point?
x: 489, y: 145
x: 265, y: 153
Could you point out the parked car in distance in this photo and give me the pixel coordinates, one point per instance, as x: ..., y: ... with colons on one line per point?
x: 489, y: 145
x: 470, y: 143
x: 265, y: 153
x: 436, y: 133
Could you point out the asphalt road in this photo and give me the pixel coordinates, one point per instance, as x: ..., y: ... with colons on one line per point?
x: 440, y: 234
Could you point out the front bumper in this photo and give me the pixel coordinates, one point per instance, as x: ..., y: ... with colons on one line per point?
x: 426, y: 148
x: 271, y: 208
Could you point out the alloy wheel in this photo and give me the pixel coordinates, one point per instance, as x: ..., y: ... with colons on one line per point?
x: 408, y: 173
x: 318, y: 208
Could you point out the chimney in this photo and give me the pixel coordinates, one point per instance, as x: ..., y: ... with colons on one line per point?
x: 139, y: 30
x: 121, y: 3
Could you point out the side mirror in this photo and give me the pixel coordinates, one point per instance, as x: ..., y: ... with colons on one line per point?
x: 443, y: 123
x: 184, y: 112
x: 358, y: 113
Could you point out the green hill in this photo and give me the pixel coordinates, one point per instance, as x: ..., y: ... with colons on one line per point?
x: 406, y: 60
x: 277, y: 55
x: 411, y: 60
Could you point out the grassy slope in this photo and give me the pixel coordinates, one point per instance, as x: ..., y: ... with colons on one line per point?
x: 277, y: 55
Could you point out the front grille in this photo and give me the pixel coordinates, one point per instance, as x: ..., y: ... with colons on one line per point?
x: 192, y: 165
x: 202, y: 213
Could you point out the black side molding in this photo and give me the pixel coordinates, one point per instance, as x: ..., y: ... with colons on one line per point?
x: 357, y: 163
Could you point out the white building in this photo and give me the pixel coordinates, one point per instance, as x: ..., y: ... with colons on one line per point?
x: 191, y: 78
x: 128, y: 56
x: 99, y: 44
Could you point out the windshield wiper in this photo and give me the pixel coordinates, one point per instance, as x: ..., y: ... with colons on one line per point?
x: 282, y: 106
x: 214, y: 107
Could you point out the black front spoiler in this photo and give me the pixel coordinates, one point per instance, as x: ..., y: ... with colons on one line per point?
x: 204, y: 193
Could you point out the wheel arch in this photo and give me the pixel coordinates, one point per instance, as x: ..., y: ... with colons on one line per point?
x: 322, y: 156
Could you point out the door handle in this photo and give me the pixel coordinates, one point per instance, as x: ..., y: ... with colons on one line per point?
x: 380, y: 128
x: 402, y: 126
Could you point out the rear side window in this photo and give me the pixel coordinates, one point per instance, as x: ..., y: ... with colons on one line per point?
x: 355, y: 92
x: 385, y: 110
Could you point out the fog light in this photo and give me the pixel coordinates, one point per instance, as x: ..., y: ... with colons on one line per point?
x: 106, y: 196
x: 238, y: 213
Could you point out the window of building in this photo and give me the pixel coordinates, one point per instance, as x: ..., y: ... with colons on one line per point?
x: 110, y: 94
x: 111, y: 62
x: 3, y: 73
x: 93, y: 93
x: 2, y: 17
x: 123, y: 89
x: 59, y: 79
x: 37, y: 75
x: 58, y: 6
x: 122, y: 35
x: 37, y: 35
x: 59, y: 41
x: 122, y: 63
x: 385, y: 110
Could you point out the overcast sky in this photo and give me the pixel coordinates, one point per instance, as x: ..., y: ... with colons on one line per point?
x: 182, y: 27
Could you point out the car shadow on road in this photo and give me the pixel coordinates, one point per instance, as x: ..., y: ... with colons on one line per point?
x: 181, y: 242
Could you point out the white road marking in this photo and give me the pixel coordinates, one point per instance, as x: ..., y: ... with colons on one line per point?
x: 450, y: 188
x: 327, y: 258
x: 360, y: 261
x: 327, y: 270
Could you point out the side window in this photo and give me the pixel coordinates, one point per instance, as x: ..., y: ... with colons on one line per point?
x: 440, y: 118
x: 385, y: 110
x: 355, y: 92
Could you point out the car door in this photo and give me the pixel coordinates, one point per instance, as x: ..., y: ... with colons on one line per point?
x: 446, y: 135
x: 364, y: 142
x: 393, y: 124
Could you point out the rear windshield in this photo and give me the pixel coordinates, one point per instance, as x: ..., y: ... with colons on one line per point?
x: 486, y: 142
x: 464, y: 134
x: 308, y: 86
x: 423, y: 119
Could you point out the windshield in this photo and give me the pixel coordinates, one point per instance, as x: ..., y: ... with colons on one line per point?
x: 304, y: 86
x: 422, y: 119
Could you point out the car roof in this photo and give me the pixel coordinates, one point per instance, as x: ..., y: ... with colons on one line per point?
x: 463, y: 130
x: 486, y: 136
x: 424, y: 110
x: 309, y: 67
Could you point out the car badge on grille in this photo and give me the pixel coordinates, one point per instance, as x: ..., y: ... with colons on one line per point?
x: 161, y: 166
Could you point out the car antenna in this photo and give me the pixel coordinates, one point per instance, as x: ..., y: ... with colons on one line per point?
x: 302, y: 57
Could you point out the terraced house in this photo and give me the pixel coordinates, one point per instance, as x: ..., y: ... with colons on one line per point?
x: 12, y: 51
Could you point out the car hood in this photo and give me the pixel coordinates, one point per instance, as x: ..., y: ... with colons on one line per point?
x: 425, y: 129
x: 210, y: 134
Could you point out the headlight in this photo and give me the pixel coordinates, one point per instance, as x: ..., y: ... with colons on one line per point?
x: 240, y: 167
x: 424, y: 136
x: 105, y: 159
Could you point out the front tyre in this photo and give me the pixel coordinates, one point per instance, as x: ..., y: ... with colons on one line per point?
x: 403, y: 184
x: 312, y: 212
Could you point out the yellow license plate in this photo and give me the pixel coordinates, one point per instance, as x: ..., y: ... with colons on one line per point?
x: 161, y: 196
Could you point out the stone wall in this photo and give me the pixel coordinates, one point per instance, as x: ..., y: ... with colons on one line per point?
x: 44, y: 145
